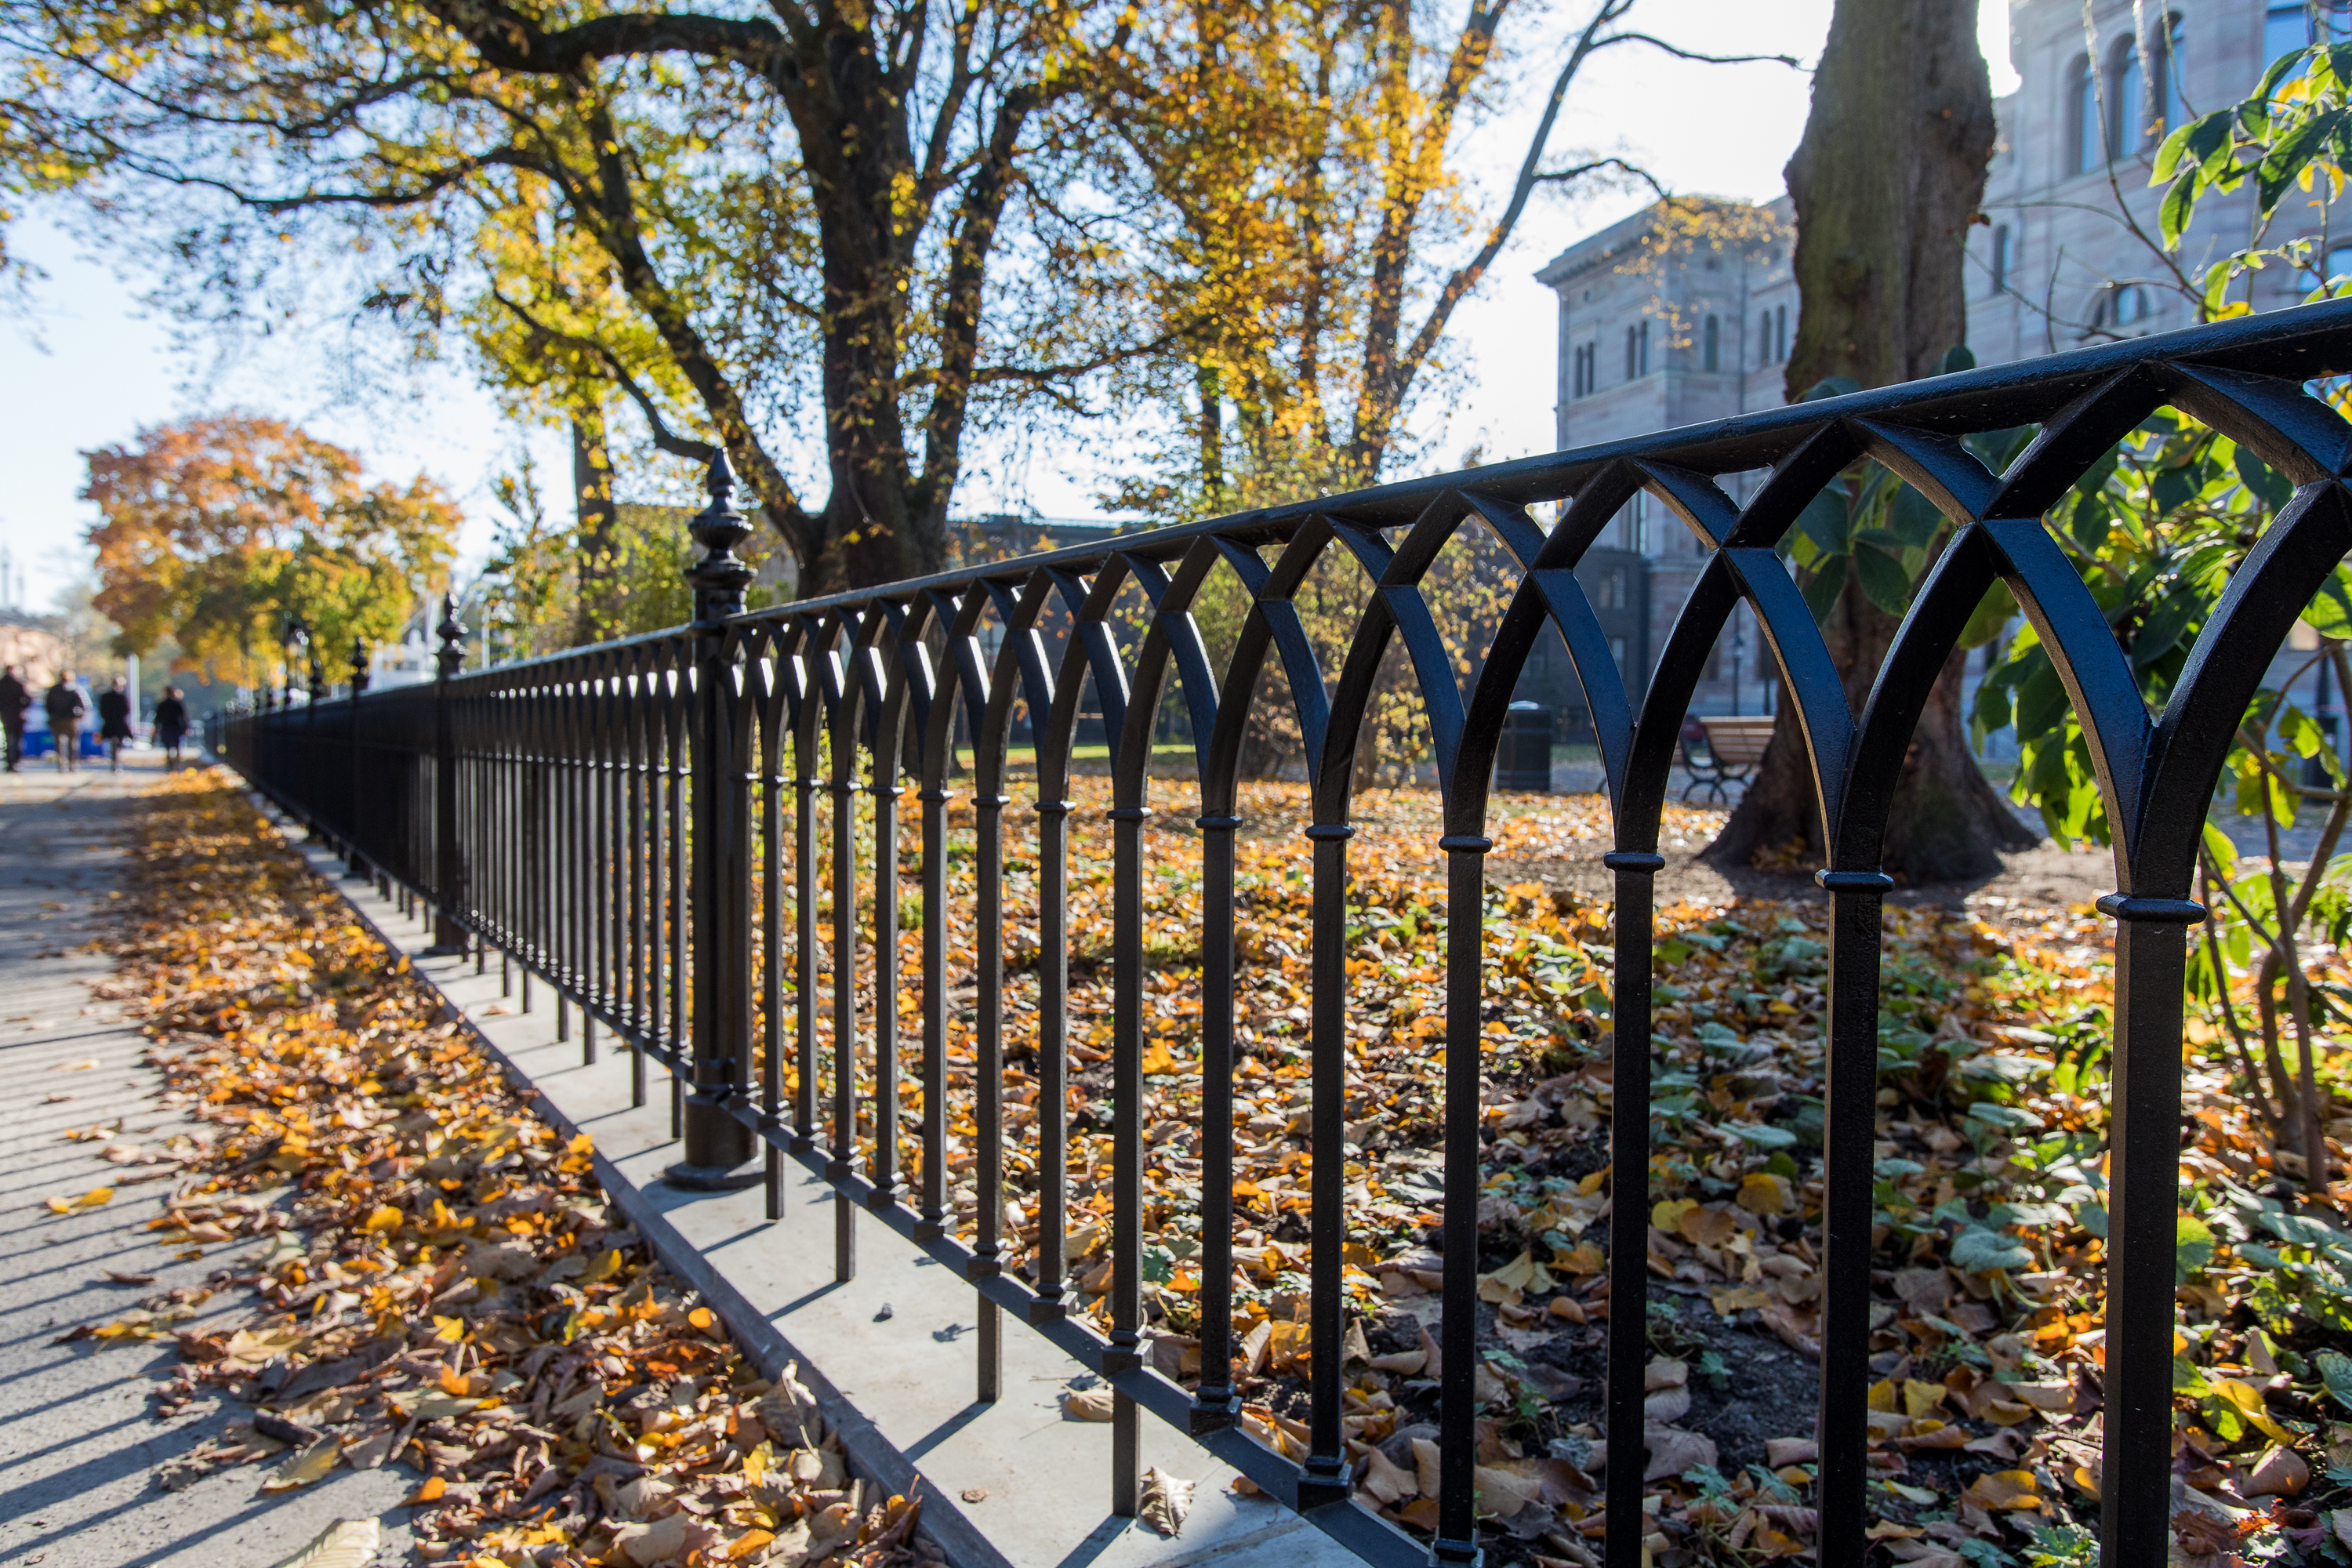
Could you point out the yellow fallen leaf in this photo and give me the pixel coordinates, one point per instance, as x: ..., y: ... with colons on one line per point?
x: 1159, y: 1058
x: 346, y: 1544
x: 702, y: 1318
x: 749, y: 1543
x: 385, y: 1217
x: 306, y: 1466
x: 449, y: 1331
x: 1761, y: 1193
x: 603, y: 1269
x: 88, y: 1200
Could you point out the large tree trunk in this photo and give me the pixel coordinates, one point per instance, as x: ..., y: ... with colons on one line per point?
x: 592, y: 490
x: 1885, y: 182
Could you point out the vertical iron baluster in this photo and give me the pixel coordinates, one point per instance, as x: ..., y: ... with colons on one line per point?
x: 1127, y: 1150
x: 1215, y: 1406
x: 772, y: 732
x: 1053, y: 1105
x: 2143, y: 1207
x: 1850, y: 1118
x: 988, y: 1068
x: 935, y: 1009
x: 636, y: 823
x: 1466, y: 864
x: 804, y: 784
x: 887, y: 1187
x: 1324, y: 1479
x: 681, y: 977
x: 843, y: 1164
x: 1629, y: 1205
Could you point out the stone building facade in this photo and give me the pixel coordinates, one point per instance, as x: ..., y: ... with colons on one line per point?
x: 1675, y: 316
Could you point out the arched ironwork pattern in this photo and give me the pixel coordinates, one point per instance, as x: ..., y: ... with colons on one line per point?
x: 640, y: 826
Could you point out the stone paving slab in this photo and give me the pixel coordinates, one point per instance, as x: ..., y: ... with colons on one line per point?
x: 79, y: 1445
x: 898, y: 1386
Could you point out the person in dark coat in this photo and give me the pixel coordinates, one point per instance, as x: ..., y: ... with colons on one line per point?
x: 66, y: 712
x: 170, y: 725
x: 16, y: 701
x: 114, y: 723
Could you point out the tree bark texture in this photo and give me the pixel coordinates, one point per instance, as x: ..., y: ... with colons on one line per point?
x: 592, y: 490
x: 1888, y: 176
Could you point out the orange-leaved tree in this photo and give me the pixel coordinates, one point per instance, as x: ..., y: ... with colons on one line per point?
x: 218, y: 531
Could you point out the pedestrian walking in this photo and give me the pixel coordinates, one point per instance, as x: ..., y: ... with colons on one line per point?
x: 170, y: 725
x: 16, y: 701
x: 114, y: 723
x: 67, y: 710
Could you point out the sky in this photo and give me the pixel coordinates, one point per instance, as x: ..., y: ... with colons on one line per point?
x: 84, y: 364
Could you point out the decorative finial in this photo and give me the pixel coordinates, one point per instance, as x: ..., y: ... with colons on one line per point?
x: 359, y: 665
x: 452, y: 632
x: 720, y: 576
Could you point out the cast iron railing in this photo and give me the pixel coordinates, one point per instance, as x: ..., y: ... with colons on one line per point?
x: 613, y: 818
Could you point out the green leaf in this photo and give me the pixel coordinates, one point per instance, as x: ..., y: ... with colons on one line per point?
x: 1957, y: 358
x: 1831, y: 387
x: 2224, y: 853
x: 2180, y: 205
x: 1883, y: 579
x: 1761, y: 1135
x: 2169, y: 152
x: 2092, y: 1216
x: 2090, y: 522
x: 1978, y: 1251
x: 1997, y: 609
x: 2162, y: 628
x: 2094, y: 478
x: 2265, y: 483
x: 1825, y: 520
x: 2041, y: 701
x: 2335, y: 1373
x: 1913, y: 519
x: 2330, y: 611
x: 2192, y: 1247
x: 1823, y: 588
x: 2301, y: 732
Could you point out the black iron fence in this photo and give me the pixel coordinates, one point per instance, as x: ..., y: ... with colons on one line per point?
x: 669, y: 833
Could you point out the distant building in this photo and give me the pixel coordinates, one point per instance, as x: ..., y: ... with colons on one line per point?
x: 1679, y: 315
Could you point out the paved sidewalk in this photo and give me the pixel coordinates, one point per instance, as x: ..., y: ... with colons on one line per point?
x: 79, y: 1445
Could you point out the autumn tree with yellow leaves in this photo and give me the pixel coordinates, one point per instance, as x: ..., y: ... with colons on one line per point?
x: 214, y: 532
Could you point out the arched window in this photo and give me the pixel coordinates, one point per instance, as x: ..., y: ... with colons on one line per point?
x: 2127, y: 100
x: 1631, y: 371
x: 1711, y: 353
x: 1764, y: 339
x: 1780, y: 333
x: 2082, y: 117
x: 2001, y: 258
x: 2169, y: 109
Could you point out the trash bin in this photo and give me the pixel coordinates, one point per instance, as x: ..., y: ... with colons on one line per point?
x: 1523, y: 762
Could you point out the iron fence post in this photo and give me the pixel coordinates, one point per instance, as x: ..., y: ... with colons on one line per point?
x: 449, y: 864
x: 355, y: 861
x: 718, y: 1147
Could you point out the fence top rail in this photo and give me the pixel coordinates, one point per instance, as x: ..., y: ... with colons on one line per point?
x: 2296, y: 342
x: 2293, y: 342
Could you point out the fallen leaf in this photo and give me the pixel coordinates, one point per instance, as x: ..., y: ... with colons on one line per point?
x: 304, y: 1466
x: 1094, y: 1404
x: 123, y: 1276
x: 346, y: 1544
x: 2281, y: 1472
x: 91, y: 1199
x: 1166, y: 1500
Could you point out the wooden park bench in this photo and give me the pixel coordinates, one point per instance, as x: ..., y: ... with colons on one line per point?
x: 1723, y: 749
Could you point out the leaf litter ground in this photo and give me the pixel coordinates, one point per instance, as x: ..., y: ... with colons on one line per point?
x: 431, y: 1277
x: 441, y: 1285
